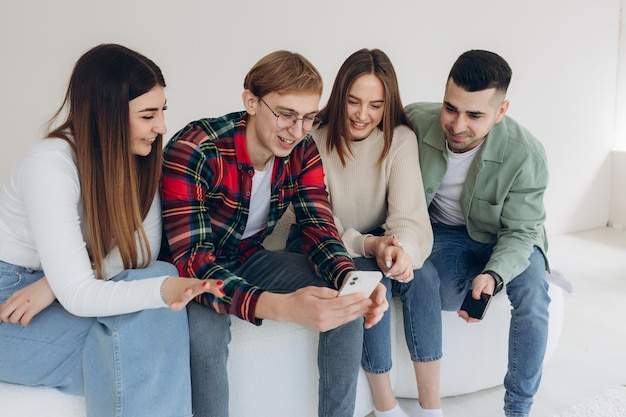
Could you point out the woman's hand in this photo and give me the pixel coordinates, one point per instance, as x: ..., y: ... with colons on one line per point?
x: 26, y: 303
x: 391, y: 258
x: 177, y: 291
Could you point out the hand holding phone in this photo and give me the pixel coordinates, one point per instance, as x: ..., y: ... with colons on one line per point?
x: 360, y: 281
x: 476, y: 308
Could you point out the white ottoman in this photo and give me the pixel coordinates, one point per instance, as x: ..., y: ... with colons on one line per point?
x: 474, y: 355
x: 277, y: 358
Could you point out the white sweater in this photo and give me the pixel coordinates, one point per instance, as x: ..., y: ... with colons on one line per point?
x: 364, y: 195
x: 43, y: 226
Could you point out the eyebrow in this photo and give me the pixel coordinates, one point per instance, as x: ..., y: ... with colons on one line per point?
x: 287, y: 109
x: 151, y: 109
x: 373, y: 101
x: 473, y: 113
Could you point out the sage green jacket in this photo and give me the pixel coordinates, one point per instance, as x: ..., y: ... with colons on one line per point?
x: 502, y: 199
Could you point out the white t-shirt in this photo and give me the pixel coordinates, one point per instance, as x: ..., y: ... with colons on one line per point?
x: 43, y: 226
x: 446, y: 206
x: 260, y: 200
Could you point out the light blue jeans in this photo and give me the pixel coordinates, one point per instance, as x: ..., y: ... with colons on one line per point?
x: 421, y: 307
x: 338, y: 354
x: 459, y: 259
x: 129, y: 365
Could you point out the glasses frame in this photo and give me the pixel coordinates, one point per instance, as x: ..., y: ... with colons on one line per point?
x: 316, y: 121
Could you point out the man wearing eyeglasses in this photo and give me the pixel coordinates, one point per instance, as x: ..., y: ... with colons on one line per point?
x: 226, y: 182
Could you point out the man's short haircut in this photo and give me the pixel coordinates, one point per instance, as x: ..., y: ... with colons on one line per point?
x: 283, y: 72
x: 478, y: 70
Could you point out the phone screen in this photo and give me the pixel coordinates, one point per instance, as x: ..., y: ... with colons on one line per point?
x: 476, y: 308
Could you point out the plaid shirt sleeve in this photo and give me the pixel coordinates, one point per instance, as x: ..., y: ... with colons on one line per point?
x: 320, y: 240
x: 189, y: 170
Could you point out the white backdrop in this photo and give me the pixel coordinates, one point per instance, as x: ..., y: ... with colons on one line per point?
x: 564, y: 56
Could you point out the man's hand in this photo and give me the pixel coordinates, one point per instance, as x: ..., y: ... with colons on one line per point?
x: 26, y: 303
x: 378, y: 307
x: 483, y: 283
x: 317, y: 308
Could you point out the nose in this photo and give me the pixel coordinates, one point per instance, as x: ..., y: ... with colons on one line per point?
x: 297, y: 129
x: 159, y: 126
x: 361, y: 112
x: 458, y: 124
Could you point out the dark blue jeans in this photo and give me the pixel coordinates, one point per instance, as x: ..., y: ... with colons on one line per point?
x: 459, y: 258
x: 339, y: 350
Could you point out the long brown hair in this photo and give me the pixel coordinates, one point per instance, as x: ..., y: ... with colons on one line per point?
x: 117, y: 187
x: 334, y: 114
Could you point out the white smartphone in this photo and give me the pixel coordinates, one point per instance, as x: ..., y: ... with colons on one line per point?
x: 360, y: 281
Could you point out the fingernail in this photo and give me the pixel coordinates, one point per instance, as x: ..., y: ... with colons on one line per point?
x: 388, y: 264
x: 387, y: 275
x: 400, y: 244
x: 220, y: 282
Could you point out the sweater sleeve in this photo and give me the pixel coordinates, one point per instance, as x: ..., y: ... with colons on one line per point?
x: 52, y: 200
x: 407, y: 216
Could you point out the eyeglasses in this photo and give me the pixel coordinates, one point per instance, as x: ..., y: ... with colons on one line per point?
x: 287, y: 120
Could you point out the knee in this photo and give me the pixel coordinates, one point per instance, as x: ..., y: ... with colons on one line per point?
x: 164, y: 268
x: 452, y: 294
x: 426, y: 278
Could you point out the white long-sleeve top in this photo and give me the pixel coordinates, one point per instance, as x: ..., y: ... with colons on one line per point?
x: 43, y: 226
x: 364, y: 195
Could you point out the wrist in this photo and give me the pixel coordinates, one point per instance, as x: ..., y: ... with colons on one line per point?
x: 162, y: 290
x: 267, y: 307
x: 369, y: 245
x: 498, y: 280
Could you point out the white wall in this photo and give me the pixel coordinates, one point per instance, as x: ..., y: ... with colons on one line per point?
x: 618, y: 190
x: 564, y: 56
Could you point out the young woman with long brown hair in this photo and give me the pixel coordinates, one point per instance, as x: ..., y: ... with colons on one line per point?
x: 80, y: 222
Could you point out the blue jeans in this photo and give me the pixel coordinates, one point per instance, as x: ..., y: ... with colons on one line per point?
x: 131, y: 365
x: 338, y: 353
x: 421, y: 307
x: 459, y: 259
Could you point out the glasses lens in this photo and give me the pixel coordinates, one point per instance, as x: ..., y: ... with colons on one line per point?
x: 285, y: 121
x: 312, y: 124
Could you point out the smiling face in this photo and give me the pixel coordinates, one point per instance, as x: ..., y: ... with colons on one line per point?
x: 365, y: 106
x: 467, y: 117
x: 146, y: 120
x: 263, y: 136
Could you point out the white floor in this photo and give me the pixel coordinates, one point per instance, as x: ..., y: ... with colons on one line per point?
x: 591, y: 355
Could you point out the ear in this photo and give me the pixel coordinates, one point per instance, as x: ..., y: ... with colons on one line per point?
x: 250, y: 102
x: 504, y: 106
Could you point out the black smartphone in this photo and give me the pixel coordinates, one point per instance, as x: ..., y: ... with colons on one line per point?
x: 476, y: 308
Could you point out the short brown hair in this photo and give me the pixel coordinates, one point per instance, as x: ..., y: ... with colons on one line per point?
x: 283, y: 72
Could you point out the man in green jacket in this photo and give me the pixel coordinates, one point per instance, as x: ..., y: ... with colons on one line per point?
x: 484, y: 178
